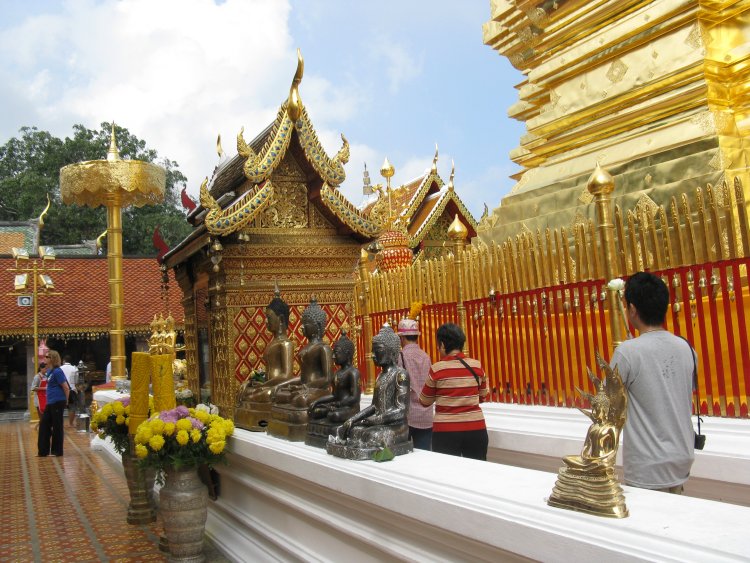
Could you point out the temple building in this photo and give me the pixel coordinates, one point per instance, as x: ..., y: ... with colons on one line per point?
x: 653, y: 91
x: 270, y: 216
x: 429, y: 207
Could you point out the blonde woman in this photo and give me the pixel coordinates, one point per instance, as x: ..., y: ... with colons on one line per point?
x: 51, y: 426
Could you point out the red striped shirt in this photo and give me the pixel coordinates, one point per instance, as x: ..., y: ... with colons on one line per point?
x: 456, y: 395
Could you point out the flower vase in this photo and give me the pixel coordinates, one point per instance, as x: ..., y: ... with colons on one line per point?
x: 141, y: 486
x: 183, y: 504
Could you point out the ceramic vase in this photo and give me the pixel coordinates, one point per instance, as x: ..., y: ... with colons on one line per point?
x: 183, y: 504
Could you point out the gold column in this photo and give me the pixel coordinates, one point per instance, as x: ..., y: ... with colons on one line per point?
x: 366, y: 322
x: 113, y: 183
x: 458, y: 233
x: 601, y: 185
x: 116, y: 299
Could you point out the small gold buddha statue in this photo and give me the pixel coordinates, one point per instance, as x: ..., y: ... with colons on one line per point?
x: 588, y: 482
x: 254, y: 398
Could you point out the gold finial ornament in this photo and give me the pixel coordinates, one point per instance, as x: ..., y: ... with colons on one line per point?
x: 434, y: 160
x: 99, y: 240
x: 40, y: 221
x: 219, y: 149
x: 600, y: 181
x: 457, y: 230
x: 113, y: 153
x: 294, y: 105
x: 387, y: 170
x: 588, y: 482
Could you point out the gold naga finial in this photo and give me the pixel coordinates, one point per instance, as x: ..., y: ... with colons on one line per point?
x: 294, y: 105
x: 453, y: 175
x: 434, y: 160
x: 40, y: 221
x: 219, y: 149
x: 99, y: 241
x: 113, y: 153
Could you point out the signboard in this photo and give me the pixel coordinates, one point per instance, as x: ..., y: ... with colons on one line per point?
x: 25, y: 301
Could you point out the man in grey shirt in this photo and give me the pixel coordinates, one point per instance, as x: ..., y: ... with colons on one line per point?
x: 657, y: 370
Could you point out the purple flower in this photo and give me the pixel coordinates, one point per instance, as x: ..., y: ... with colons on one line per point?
x: 197, y: 424
x: 182, y: 411
x: 125, y: 400
x: 169, y: 416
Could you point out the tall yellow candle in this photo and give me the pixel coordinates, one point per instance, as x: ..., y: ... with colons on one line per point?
x: 163, y: 382
x: 139, y: 381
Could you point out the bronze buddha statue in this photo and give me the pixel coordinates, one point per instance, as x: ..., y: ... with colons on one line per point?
x: 254, y: 398
x: 292, y: 398
x: 383, y: 423
x: 326, y: 413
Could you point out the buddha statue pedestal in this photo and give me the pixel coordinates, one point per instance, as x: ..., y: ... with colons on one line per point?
x: 396, y: 437
x: 288, y: 422
x: 318, y: 432
x: 253, y: 416
x: 593, y: 492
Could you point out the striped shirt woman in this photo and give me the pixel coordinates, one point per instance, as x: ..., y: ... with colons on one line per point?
x: 456, y: 385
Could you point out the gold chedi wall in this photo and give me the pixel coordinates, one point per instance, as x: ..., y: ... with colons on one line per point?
x: 653, y: 90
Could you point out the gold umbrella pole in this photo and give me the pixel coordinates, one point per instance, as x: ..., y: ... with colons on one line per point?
x: 114, y: 262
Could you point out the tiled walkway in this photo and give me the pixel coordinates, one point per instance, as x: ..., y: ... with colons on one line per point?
x: 70, y: 508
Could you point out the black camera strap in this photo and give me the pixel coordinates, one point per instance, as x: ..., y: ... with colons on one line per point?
x: 695, y: 384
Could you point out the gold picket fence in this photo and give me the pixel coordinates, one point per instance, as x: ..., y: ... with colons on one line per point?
x: 536, y: 308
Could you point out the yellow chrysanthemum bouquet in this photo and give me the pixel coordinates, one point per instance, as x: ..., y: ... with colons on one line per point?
x: 182, y: 437
x: 111, y: 421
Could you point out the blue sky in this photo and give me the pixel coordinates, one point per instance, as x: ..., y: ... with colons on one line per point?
x: 394, y: 77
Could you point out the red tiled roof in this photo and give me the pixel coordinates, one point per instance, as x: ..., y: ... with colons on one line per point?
x: 84, y: 305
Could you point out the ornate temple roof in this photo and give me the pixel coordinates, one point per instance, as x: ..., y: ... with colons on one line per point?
x: 423, y: 200
x: 83, y: 309
x: 249, y: 176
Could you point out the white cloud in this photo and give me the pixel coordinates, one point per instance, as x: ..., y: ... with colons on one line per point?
x: 401, y: 64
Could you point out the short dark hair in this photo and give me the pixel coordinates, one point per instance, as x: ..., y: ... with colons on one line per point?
x: 66, y: 358
x: 451, y: 337
x: 411, y: 337
x: 649, y: 295
x: 42, y: 365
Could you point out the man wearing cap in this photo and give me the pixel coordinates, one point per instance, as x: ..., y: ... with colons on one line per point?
x: 417, y: 363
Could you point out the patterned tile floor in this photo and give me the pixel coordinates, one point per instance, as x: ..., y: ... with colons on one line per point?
x: 70, y: 508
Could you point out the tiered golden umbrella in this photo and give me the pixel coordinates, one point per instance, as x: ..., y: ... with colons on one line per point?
x: 114, y: 183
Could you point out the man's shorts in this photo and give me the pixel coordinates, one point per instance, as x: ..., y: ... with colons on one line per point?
x: 72, y: 400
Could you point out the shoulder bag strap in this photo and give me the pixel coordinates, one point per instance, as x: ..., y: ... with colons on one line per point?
x: 695, y: 382
x: 467, y: 366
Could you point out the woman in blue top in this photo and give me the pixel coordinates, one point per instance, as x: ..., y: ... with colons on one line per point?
x: 51, y: 425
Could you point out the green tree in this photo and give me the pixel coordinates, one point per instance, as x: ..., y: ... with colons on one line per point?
x: 30, y: 170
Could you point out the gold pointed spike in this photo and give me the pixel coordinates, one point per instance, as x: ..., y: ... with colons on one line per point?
x: 219, y: 149
x: 276, y: 289
x: 457, y: 230
x: 113, y: 153
x: 294, y: 105
x: 433, y: 170
x: 40, y: 221
x: 453, y: 175
x: 387, y: 170
x: 600, y: 182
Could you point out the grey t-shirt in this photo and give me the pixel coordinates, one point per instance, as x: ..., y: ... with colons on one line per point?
x: 657, y: 370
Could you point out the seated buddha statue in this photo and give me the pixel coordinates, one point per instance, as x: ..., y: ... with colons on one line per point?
x: 292, y: 398
x: 315, y: 360
x: 384, y: 422
x: 254, y: 397
x: 600, y: 446
x: 344, y: 401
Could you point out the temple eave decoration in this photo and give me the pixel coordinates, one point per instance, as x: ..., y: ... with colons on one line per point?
x: 241, y: 212
x: 337, y: 204
x: 437, y: 212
